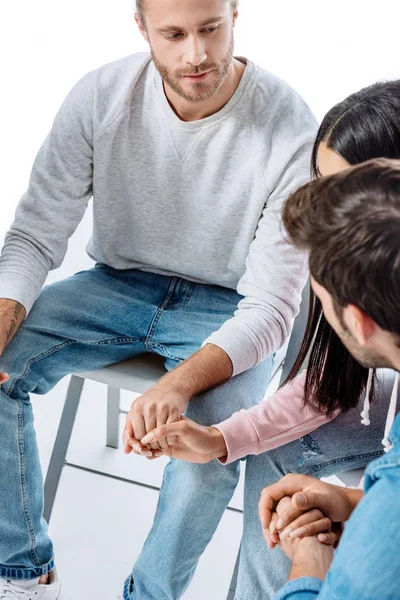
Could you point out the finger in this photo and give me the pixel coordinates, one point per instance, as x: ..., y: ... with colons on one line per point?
x: 321, y: 526
x: 138, y: 424
x: 287, y: 486
x: 329, y: 538
x: 141, y: 451
x: 273, y: 533
x: 309, y: 499
x: 302, y: 502
x: 305, y: 519
x: 165, y: 431
x: 133, y: 445
x: 127, y: 436
x: 284, y: 507
x: 150, y: 423
x: 162, y: 419
x: 171, y: 439
x: 270, y: 543
x: 4, y: 377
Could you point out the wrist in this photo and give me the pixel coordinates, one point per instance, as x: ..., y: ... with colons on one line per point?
x: 311, y: 558
x: 354, y: 496
x: 219, y: 449
x: 173, y: 383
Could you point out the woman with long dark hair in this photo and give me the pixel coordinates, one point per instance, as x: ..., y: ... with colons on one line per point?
x: 326, y: 398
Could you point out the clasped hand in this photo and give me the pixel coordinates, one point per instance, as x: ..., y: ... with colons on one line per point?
x: 153, y: 409
x: 155, y: 427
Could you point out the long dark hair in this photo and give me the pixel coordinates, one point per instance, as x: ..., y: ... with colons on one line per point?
x: 366, y: 125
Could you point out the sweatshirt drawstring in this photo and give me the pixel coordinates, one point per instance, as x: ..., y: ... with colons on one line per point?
x: 391, y: 414
x: 367, y: 401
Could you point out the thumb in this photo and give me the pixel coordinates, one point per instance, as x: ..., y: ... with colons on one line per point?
x: 4, y: 377
x: 164, y: 431
x: 306, y: 500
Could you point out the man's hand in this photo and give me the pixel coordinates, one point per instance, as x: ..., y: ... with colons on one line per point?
x: 11, y: 316
x: 310, y: 558
x: 306, y: 493
x: 193, y: 442
x: 166, y: 401
x: 310, y: 523
x: 156, y: 407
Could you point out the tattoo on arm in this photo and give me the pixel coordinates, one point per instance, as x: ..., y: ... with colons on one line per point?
x: 18, y: 310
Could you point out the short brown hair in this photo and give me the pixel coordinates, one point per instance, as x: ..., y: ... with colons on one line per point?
x: 140, y: 7
x: 350, y: 225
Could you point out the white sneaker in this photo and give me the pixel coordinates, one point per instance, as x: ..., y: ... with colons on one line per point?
x: 30, y: 589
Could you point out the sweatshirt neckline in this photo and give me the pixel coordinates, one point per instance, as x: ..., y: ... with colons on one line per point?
x: 247, y: 76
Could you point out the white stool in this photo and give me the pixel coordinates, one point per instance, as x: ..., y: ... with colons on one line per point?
x: 136, y: 375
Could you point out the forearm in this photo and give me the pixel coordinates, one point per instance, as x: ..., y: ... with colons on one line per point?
x: 12, y: 314
x: 204, y: 370
x: 311, y: 569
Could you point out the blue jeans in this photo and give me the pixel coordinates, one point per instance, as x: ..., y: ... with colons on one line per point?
x: 96, y: 318
x: 102, y: 316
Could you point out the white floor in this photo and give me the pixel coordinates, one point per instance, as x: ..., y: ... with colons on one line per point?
x: 99, y: 524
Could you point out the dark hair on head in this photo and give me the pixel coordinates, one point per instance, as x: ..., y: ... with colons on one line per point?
x: 350, y: 224
x: 365, y: 125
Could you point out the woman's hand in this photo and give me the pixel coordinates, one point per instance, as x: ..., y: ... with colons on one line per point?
x: 191, y: 442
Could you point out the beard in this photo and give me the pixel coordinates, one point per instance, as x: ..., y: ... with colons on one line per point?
x: 368, y: 358
x: 197, y: 92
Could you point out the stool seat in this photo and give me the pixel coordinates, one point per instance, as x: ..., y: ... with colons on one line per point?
x: 136, y: 374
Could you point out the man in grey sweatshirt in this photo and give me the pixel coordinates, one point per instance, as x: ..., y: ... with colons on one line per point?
x: 188, y: 154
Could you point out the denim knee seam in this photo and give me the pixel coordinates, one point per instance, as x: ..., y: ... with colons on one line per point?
x: 34, y: 360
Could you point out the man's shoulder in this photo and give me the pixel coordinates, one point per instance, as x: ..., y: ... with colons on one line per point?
x: 277, y: 103
x: 109, y: 89
x: 127, y: 68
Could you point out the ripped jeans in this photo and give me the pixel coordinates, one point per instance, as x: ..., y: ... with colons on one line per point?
x: 341, y: 445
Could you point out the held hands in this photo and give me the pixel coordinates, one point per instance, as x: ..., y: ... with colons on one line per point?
x: 303, y: 494
x: 164, y: 404
x: 307, y: 540
x: 187, y: 441
x: 312, y: 523
x: 158, y: 406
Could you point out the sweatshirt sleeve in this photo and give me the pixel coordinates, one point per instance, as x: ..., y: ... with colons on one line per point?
x: 275, y: 275
x: 275, y: 421
x: 60, y: 188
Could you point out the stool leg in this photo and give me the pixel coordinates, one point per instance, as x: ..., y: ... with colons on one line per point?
x: 61, y: 444
x: 113, y: 412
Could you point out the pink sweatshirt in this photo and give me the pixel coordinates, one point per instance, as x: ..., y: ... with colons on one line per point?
x: 273, y: 422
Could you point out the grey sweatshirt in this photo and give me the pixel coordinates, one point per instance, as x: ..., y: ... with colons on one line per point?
x: 201, y: 200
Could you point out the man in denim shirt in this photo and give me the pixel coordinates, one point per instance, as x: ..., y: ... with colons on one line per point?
x: 350, y: 224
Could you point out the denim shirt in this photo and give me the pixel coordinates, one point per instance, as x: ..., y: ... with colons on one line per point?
x: 366, y: 565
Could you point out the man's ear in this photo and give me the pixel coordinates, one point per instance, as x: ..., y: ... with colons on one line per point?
x: 142, y: 28
x: 360, y: 325
x: 235, y: 16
